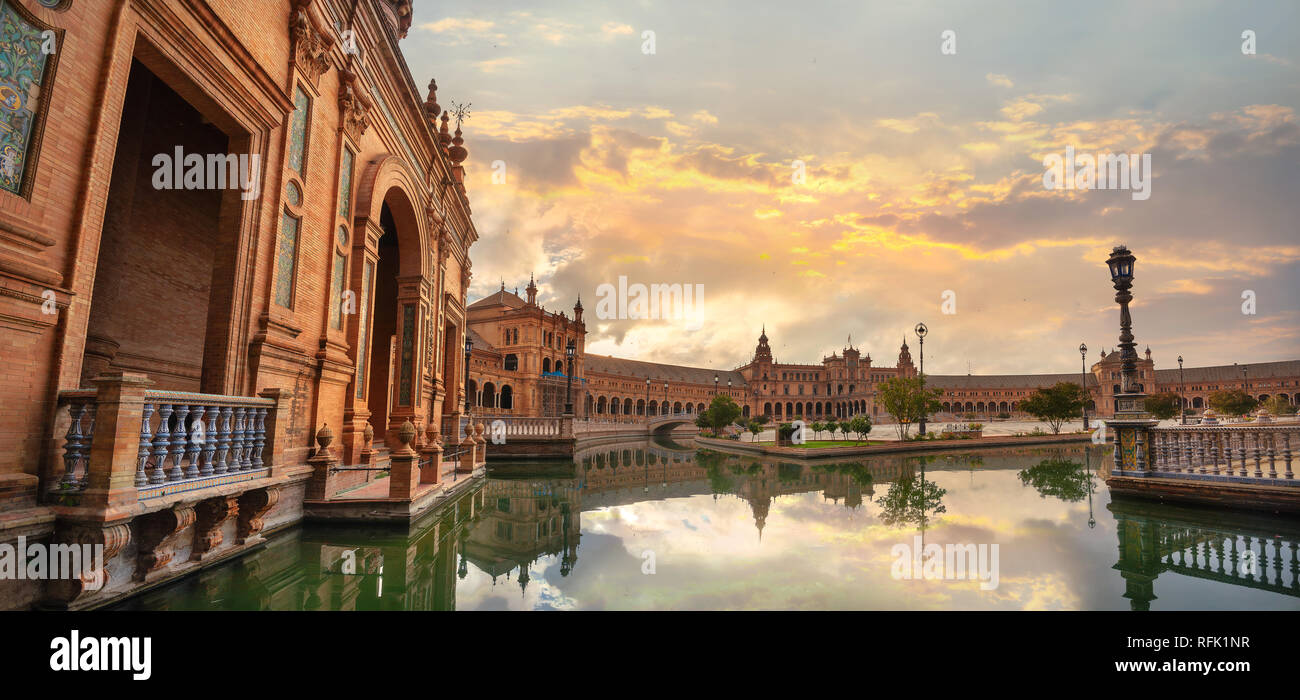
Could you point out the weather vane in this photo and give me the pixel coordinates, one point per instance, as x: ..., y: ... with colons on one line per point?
x: 460, y: 112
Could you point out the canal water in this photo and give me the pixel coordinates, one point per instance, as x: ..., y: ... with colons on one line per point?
x: 662, y: 525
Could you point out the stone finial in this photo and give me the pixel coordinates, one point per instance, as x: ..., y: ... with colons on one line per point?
x: 324, y: 437
x: 444, y: 136
x: 431, y: 107
x: 458, y: 152
x: 406, y: 434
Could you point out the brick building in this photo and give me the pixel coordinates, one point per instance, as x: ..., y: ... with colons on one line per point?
x: 207, y: 212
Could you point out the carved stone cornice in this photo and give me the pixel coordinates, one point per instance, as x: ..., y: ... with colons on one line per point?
x: 311, y: 41
x: 354, y: 106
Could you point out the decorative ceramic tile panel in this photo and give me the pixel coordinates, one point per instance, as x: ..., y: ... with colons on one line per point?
x: 22, y: 72
x: 298, y: 131
x: 408, y: 353
x: 363, y: 337
x: 336, y: 304
x: 345, y: 185
x: 285, y: 261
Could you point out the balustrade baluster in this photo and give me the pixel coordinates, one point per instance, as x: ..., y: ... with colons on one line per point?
x: 1214, y: 450
x: 1286, y: 453
x: 1250, y: 549
x: 247, y: 463
x: 161, y: 440
x: 236, y: 461
x: 1272, y: 454
x: 142, y: 479
x: 1232, y: 556
x: 1200, y: 450
x: 195, y: 442
x: 1257, y: 435
x: 259, y: 438
x: 223, y: 442
x: 72, y: 447
x: 210, y: 441
x: 1241, y: 452
x: 180, y: 436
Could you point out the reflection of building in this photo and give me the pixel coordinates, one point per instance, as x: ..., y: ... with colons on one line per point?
x: 523, y: 521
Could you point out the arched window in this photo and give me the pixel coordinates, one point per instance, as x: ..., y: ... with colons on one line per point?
x: 489, y: 395
x: 512, y: 363
x: 507, y: 397
x: 546, y: 364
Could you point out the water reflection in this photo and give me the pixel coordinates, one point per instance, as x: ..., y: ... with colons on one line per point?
x: 661, y: 525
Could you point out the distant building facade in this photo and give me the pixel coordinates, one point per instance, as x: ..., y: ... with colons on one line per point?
x: 519, y: 359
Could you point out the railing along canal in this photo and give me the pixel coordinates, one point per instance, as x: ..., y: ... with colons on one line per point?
x: 1240, y: 452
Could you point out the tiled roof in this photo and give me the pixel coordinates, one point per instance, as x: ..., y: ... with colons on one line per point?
x: 1001, y: 381
x: 481, y: 343
x: 605, y: 364
x: 500, y: 297
x: 1231, y: 373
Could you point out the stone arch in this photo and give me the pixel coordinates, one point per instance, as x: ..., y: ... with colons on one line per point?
x: 389, y: 180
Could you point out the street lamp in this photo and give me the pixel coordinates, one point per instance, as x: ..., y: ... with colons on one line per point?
x: 647, y: 400
x: 715, y: 386
x: 1245, y: 379
x: 921, y: 330
x: 1083, y: 379
x: 569, y: 351
x: 1120, y: 263
x: 1182, y: 402
x: 665, y: 406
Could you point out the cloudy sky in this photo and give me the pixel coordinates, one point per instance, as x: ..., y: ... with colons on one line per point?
x: 923, y: 171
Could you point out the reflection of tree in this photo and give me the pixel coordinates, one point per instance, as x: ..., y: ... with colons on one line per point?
x: 857, y: 471
x: 789, y: 472
x: 911, y: 500
x: 1061, y: 478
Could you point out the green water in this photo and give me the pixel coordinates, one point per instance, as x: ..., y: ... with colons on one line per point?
x: 664, y: 526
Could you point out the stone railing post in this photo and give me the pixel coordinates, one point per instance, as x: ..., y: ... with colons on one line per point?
x: 277, y: 426
x: 404, y: 471
x: 432, y: 454
x: 115, y: 448
x: 321, y: 484
x: 468, y: 447
x: 566, y: 426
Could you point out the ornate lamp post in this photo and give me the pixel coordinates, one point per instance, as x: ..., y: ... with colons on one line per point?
x: 469, y: 348
x: 715, y: 386
x: 664, y: 408
x: 1131, y: 422
x: 1083, y: 381
x: 1182, y: 403
x: 921, y: 331
x: 569, y: 351
x: 1245, y: 379
x: 647, y: 399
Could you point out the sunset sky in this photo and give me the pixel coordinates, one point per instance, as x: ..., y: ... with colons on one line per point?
x: 924, y: 172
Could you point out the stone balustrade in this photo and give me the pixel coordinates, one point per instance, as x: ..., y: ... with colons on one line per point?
x: 179, y: 441
x: 1237, y: 452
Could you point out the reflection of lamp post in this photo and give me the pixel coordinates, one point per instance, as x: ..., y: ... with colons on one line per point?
x: 1083, y: 381
x: 569, y: 350
x: 1182, y: 402
x: 921, y: 330
x: 1087, y: 460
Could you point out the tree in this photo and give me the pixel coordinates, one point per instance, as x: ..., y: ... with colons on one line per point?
x: 1232, y: 402
x: 721, y: 413
x: 861, y: 425
x: 1061, y: 478
x: 1164, y: 405
x: 908, y: 401
x: 1055, y: 404
x: 1279, y: 406
x: 755, y: 428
